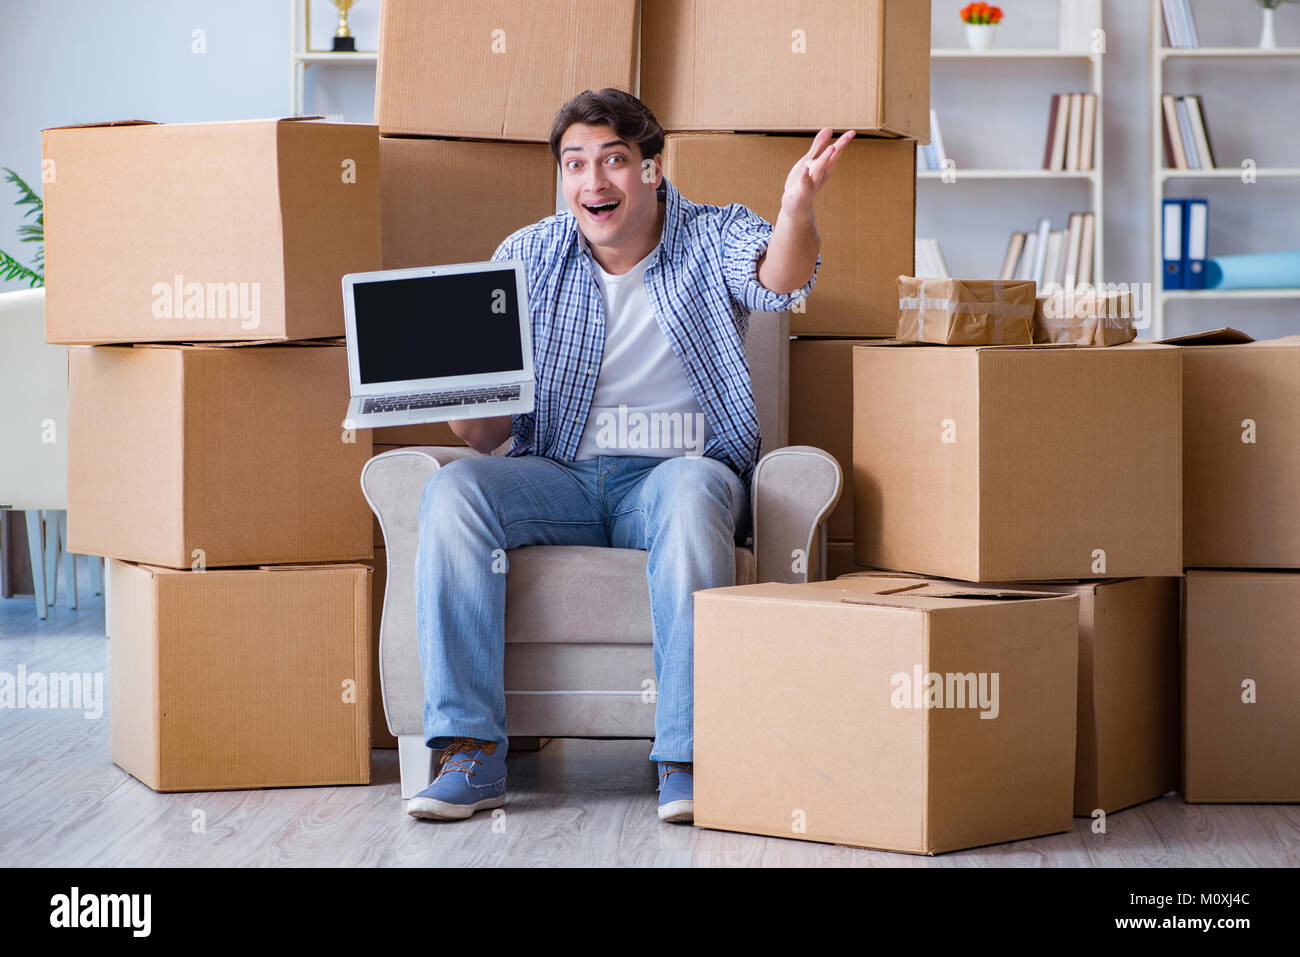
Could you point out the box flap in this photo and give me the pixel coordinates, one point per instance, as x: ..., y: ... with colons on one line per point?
x: 1223, y: 336
x: 90, y: 126
x: 927, y: 590
x: 107, y: 123
x: 1028, y: 345
x: 315, y: 566
x: 226, y: 344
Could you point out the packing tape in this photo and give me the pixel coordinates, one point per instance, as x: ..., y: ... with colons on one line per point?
x: 1013, y: 310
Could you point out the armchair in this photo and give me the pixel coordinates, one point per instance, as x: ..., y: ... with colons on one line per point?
x: 33, y: 443
x: 578, y: 659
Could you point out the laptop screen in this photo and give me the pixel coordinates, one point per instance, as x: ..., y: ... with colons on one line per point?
x: 426, y: 327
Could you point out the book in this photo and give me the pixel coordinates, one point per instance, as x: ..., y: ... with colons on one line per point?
x: 1061, y: 113
x: 1040, y: 250
x: 1196, y: 213
x: 1199, y: 134
x: 1086, y: 242
x: 1072, y: 138
x: 930, y: 263
x: 1071, y: 273
x: 1173, y: 28
x: 1185, y: 130
x: 1189, y: 24
x: 1051, y: 130
x: 1089, y: 128
x: 936, y: 140
x: 1173, y: 244
x: 1012, y: 259
x: 1172, y: 133
x: 1025, y: 268
x: 1053, y: 261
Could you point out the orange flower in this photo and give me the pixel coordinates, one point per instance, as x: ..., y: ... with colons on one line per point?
x: 981, y: 13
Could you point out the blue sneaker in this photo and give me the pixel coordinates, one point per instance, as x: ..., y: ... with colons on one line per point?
x: 471, y: 777
x: 676, y: 792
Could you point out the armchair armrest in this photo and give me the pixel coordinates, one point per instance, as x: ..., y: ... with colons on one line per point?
x: 793, y: 491
x: 394, y: 482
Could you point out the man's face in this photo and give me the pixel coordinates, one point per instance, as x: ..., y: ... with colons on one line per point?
x: 602, y: 181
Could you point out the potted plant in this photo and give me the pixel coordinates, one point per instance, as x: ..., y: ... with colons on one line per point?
x: 11, y: 268
x: 1267, y: 38
x: 981, y: 21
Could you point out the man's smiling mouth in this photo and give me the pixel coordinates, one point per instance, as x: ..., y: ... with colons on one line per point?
x: 601, y: 211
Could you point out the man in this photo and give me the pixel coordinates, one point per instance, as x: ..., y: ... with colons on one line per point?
x: 639, y: 304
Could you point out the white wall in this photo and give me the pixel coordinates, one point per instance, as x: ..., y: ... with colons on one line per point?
x: 68, y: 61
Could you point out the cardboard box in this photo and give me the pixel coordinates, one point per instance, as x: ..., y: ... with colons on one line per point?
x: 838, y: 670
x: 839, y: 559
x: 1018, y: 463
x: 866, y: 216
x: 497, y: 69
x: 432, y: 433
x: 206, y: 231
x: 380, y: 736
x: 449, y: 201
x: 821, y: 412
x: 240, y: 678
x: 1085, y: 318
x: 1241, y: 450
x: 966, y: 312
x: 180, y: 455
x: 1128, y: 721
x: 1241, y: 681
x: 788, y: 66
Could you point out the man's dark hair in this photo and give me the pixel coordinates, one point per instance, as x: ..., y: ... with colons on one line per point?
x: 630, y: 118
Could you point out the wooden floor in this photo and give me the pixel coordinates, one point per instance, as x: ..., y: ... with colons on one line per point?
x: 580, y: 803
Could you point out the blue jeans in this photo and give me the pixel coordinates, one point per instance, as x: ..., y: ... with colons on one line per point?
x: 688, y: 512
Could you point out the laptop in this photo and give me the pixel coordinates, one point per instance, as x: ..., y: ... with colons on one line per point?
x: 437, y: 343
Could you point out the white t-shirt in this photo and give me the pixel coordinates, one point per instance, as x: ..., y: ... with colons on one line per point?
x: 643, y: 403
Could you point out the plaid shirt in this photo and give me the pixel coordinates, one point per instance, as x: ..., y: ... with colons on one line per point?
x: 703, y: 284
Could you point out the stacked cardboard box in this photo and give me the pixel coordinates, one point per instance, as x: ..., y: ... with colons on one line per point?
x: 195, y: 269
x: 1241, y: 679
x: 463, y: 148
x: 919, y: 717
x: 845, y: 65
x: 464, y: 134
x: 1033, y: 465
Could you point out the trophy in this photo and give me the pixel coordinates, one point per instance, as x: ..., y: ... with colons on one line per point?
x: 344, y: 41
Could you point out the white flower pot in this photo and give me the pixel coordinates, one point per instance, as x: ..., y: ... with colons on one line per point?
x: 1267, y: 38
x: 979, y: 36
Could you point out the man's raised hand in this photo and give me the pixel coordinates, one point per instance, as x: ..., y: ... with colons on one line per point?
x: 811, y: 172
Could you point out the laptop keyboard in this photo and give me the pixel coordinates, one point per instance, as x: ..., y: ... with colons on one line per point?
x: 435, y: 400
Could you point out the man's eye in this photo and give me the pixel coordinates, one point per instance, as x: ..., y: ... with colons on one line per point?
x: 616, y: 157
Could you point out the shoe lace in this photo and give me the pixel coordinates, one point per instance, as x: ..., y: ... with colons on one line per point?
x: 465, y: 748
x: 672, y: 767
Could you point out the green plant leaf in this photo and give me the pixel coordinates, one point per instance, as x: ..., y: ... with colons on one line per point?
x: 33, y: 232
x: 11, y: 269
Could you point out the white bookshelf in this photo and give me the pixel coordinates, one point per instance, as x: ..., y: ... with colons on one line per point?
x: 1166, y: 53
x: 959, y: 174
x: 1027, y: 53
x: 1093, y: 178
x: 1161, y: 175
x: 301, y: 57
